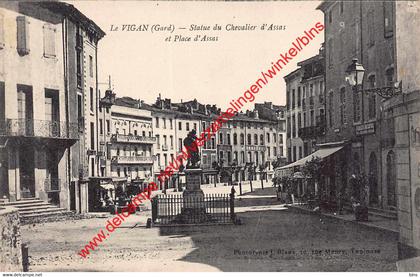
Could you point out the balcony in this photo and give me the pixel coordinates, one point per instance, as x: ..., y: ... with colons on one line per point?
x: 132, y: 160
x: 311, y: 132
x: 132, y: 139
x: 39, y: 128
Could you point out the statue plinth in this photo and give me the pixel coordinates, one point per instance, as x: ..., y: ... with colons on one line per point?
x: 194, y: 208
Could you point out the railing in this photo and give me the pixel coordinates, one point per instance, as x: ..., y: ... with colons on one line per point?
x: 311, y: 132
x: 132, y: 139
x: 52, y: 185
x: 39, y: 128
x: 132, y: 160
x: 176, y: 209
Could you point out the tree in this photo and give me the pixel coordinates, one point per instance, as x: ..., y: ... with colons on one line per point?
x: 313, y: 169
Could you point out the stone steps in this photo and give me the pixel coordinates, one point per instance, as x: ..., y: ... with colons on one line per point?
x: 34, y: 210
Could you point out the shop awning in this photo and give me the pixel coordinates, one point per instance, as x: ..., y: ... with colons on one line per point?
x: 321, y: 153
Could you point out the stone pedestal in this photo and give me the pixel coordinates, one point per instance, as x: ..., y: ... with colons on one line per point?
x: 194, y: 209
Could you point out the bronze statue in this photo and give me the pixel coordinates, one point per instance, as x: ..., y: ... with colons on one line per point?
x: 194, y: 156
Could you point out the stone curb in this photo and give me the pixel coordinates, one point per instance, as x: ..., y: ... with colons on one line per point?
x: 330, y: 216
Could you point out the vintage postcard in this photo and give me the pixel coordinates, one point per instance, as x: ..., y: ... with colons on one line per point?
x: 209, y: 136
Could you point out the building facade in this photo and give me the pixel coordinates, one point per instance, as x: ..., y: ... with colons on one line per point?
x: 366, y: 31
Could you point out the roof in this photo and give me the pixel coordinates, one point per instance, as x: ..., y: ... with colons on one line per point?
x: 325, y: 5
x: 292, y: 74
x: 73, y: 14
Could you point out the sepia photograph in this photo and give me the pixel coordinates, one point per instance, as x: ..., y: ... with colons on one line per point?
x: 209, y: 136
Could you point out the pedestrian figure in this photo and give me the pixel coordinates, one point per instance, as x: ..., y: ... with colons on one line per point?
x: 232, y: 190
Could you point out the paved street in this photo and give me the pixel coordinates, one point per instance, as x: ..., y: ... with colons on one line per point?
x: 272, y: 238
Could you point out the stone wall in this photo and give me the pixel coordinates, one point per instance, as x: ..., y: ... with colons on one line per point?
x: 10, y: 245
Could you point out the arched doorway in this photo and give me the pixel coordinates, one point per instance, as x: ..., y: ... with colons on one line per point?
x: 373, y: 179
x: 391, y: 179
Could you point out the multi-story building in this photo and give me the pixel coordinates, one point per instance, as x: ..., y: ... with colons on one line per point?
x: 51, y: 77
x: 312, y: 128
x: 365, y: 31
x: 132, y: 140
x: 294, y: 92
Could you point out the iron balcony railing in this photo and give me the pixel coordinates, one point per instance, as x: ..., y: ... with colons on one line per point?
x: 132, y: 139
x: 39, y: 128
x: 52, y: 185
x: 132, y: 160
x: 311, y: 132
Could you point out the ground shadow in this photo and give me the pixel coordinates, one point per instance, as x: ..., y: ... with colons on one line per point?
x: 289, y: 241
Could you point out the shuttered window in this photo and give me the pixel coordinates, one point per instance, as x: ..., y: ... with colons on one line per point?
x: 22, y: 35
x: 388, y: 19
x: 49, y: 40
x: 1, y: 31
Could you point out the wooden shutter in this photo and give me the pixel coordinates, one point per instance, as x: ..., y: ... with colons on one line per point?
x: 1, y: 31
x: 22, y: 35
x: 49, y: 40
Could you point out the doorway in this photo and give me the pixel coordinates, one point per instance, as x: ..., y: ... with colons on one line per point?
x: 27, y: 172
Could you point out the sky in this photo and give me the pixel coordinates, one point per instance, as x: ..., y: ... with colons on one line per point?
x: 143, y: 65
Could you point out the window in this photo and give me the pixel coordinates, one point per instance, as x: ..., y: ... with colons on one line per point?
x: 108, y: 126
x: 299, y: 121
x: 158, y: 159
x: 330, y: 16
x: 22, y: 35
x: 242, y: 139
x: 388, y: 19
x: 49, y: 40
x: 372, y: 97
x: 91, y: 99
x: 92, y: 136
x: 165, y: 141
x: 356, y: 106
x: 171, y: 139
x: 157, y: 122
x: 330, y: 110
x: 299, y: 97
x: 179, y: 125
x: 262, y: 139
x: 101, y: 127
x: 195, y: 127
x: 90, y: 66
x: 390, y: 77
x: 158, y: 141
x: 171, y: 124
x: 268, y: 151
x: 343, y: 115
x: 235, y: 139
x: 180, y: 144
x: 371, y: 28
x: 274, y: 151
x: 242, y: 157
x: 249, y: 139
x: 274, y: 137
x: 330, y: 52
x: 228, y: 138
x: 255, y: 139
x: 293, y: 99
x: 187, y: 127
x: 294, y: 133
x: 164, y: 123
x: 1, y: 31
x: 280, y: 138
x: 221, y: 138
x: 341, y: 7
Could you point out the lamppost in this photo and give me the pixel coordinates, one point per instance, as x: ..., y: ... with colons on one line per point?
x: 354, y: 76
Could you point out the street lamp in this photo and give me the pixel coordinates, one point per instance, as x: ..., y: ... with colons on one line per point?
x: 354, y: 73
x: 354, y: 76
